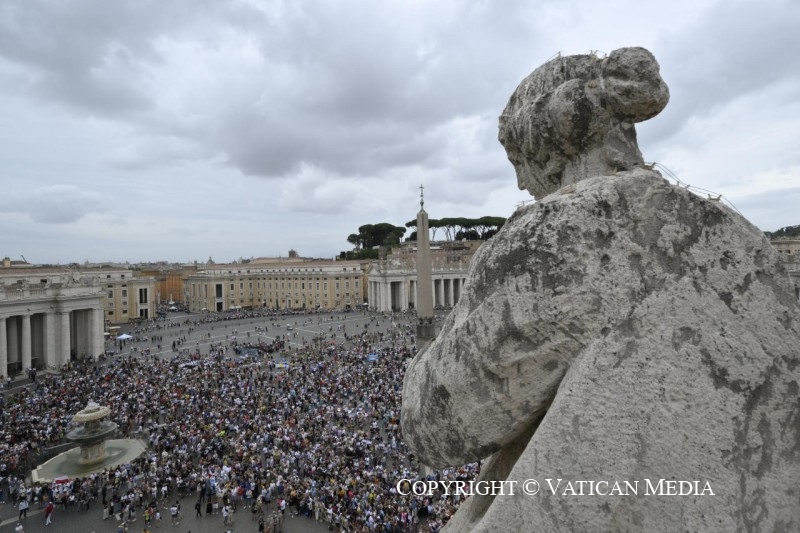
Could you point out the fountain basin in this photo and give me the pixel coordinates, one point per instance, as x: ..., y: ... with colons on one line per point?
x: 68, y: 464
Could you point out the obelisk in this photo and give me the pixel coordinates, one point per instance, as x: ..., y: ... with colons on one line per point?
x: 425, y: 328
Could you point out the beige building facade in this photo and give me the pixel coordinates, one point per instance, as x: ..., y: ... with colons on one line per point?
x: 169, y: 282
x: 291, y: 284
x: 126, y: 296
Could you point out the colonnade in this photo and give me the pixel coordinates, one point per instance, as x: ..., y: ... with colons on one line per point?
x: 40, y: 338
x: 399, y: 293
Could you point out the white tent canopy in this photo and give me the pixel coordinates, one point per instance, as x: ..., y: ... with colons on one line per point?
x: 124, y: 337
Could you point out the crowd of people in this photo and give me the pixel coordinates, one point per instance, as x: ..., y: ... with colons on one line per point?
x: 309, y: 431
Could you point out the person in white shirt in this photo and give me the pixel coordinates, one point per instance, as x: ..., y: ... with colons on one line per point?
x: 226, y: 514
x: 23, y: 508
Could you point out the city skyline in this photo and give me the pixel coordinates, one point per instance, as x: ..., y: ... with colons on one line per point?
x: 138, y: 131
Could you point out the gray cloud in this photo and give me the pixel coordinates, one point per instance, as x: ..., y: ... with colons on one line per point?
x: 55, y: 204
x: 772, y: 210
x: 346, y: 88
x: 737, y: 48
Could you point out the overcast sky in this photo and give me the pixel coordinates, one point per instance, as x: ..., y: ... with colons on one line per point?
x: 177, y: 130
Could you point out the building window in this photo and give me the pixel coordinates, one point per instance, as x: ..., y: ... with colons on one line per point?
x: 142, y: 296
x: 124, y: 293
x: 346, y: 285
x: 337, y: 285
x: 111, y: 304
x: 231, y: 286
x: 110, y: 294
x: 124, y: 311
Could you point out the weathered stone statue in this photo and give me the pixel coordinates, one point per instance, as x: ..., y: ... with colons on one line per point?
x: 621, y: 331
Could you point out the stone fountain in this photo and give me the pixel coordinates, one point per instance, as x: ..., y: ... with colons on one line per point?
x: 93, y: 433
x: 96, y: 449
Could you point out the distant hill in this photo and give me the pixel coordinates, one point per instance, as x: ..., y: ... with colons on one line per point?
x: 788, y: 231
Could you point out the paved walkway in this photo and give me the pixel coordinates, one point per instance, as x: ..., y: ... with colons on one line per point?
x: 92, y: 522
x: 297, y: 330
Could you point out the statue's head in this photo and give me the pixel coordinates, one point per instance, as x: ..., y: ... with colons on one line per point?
x: 573, y: 117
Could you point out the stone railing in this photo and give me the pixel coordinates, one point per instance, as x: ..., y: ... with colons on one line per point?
x: 792, y: 266
x: 33, y: 292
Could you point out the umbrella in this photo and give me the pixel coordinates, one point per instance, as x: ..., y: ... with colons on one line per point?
x: 372, y: 357
x: 124, y: 337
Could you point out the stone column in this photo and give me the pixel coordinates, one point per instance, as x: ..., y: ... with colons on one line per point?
x: 387, y: 296
x: 63, y: 355
x: 82, y: 332
x: 440, y: 292
x: 13, y: 339
x: 450, y: 293
x: 404, y: 295
x: 50, y: 355
x: 3, y: 350
x: 25, y: 345
x: 97, y: 333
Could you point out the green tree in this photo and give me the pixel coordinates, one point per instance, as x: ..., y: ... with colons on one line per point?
x: 355, y: 240
x: 370, y: 238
